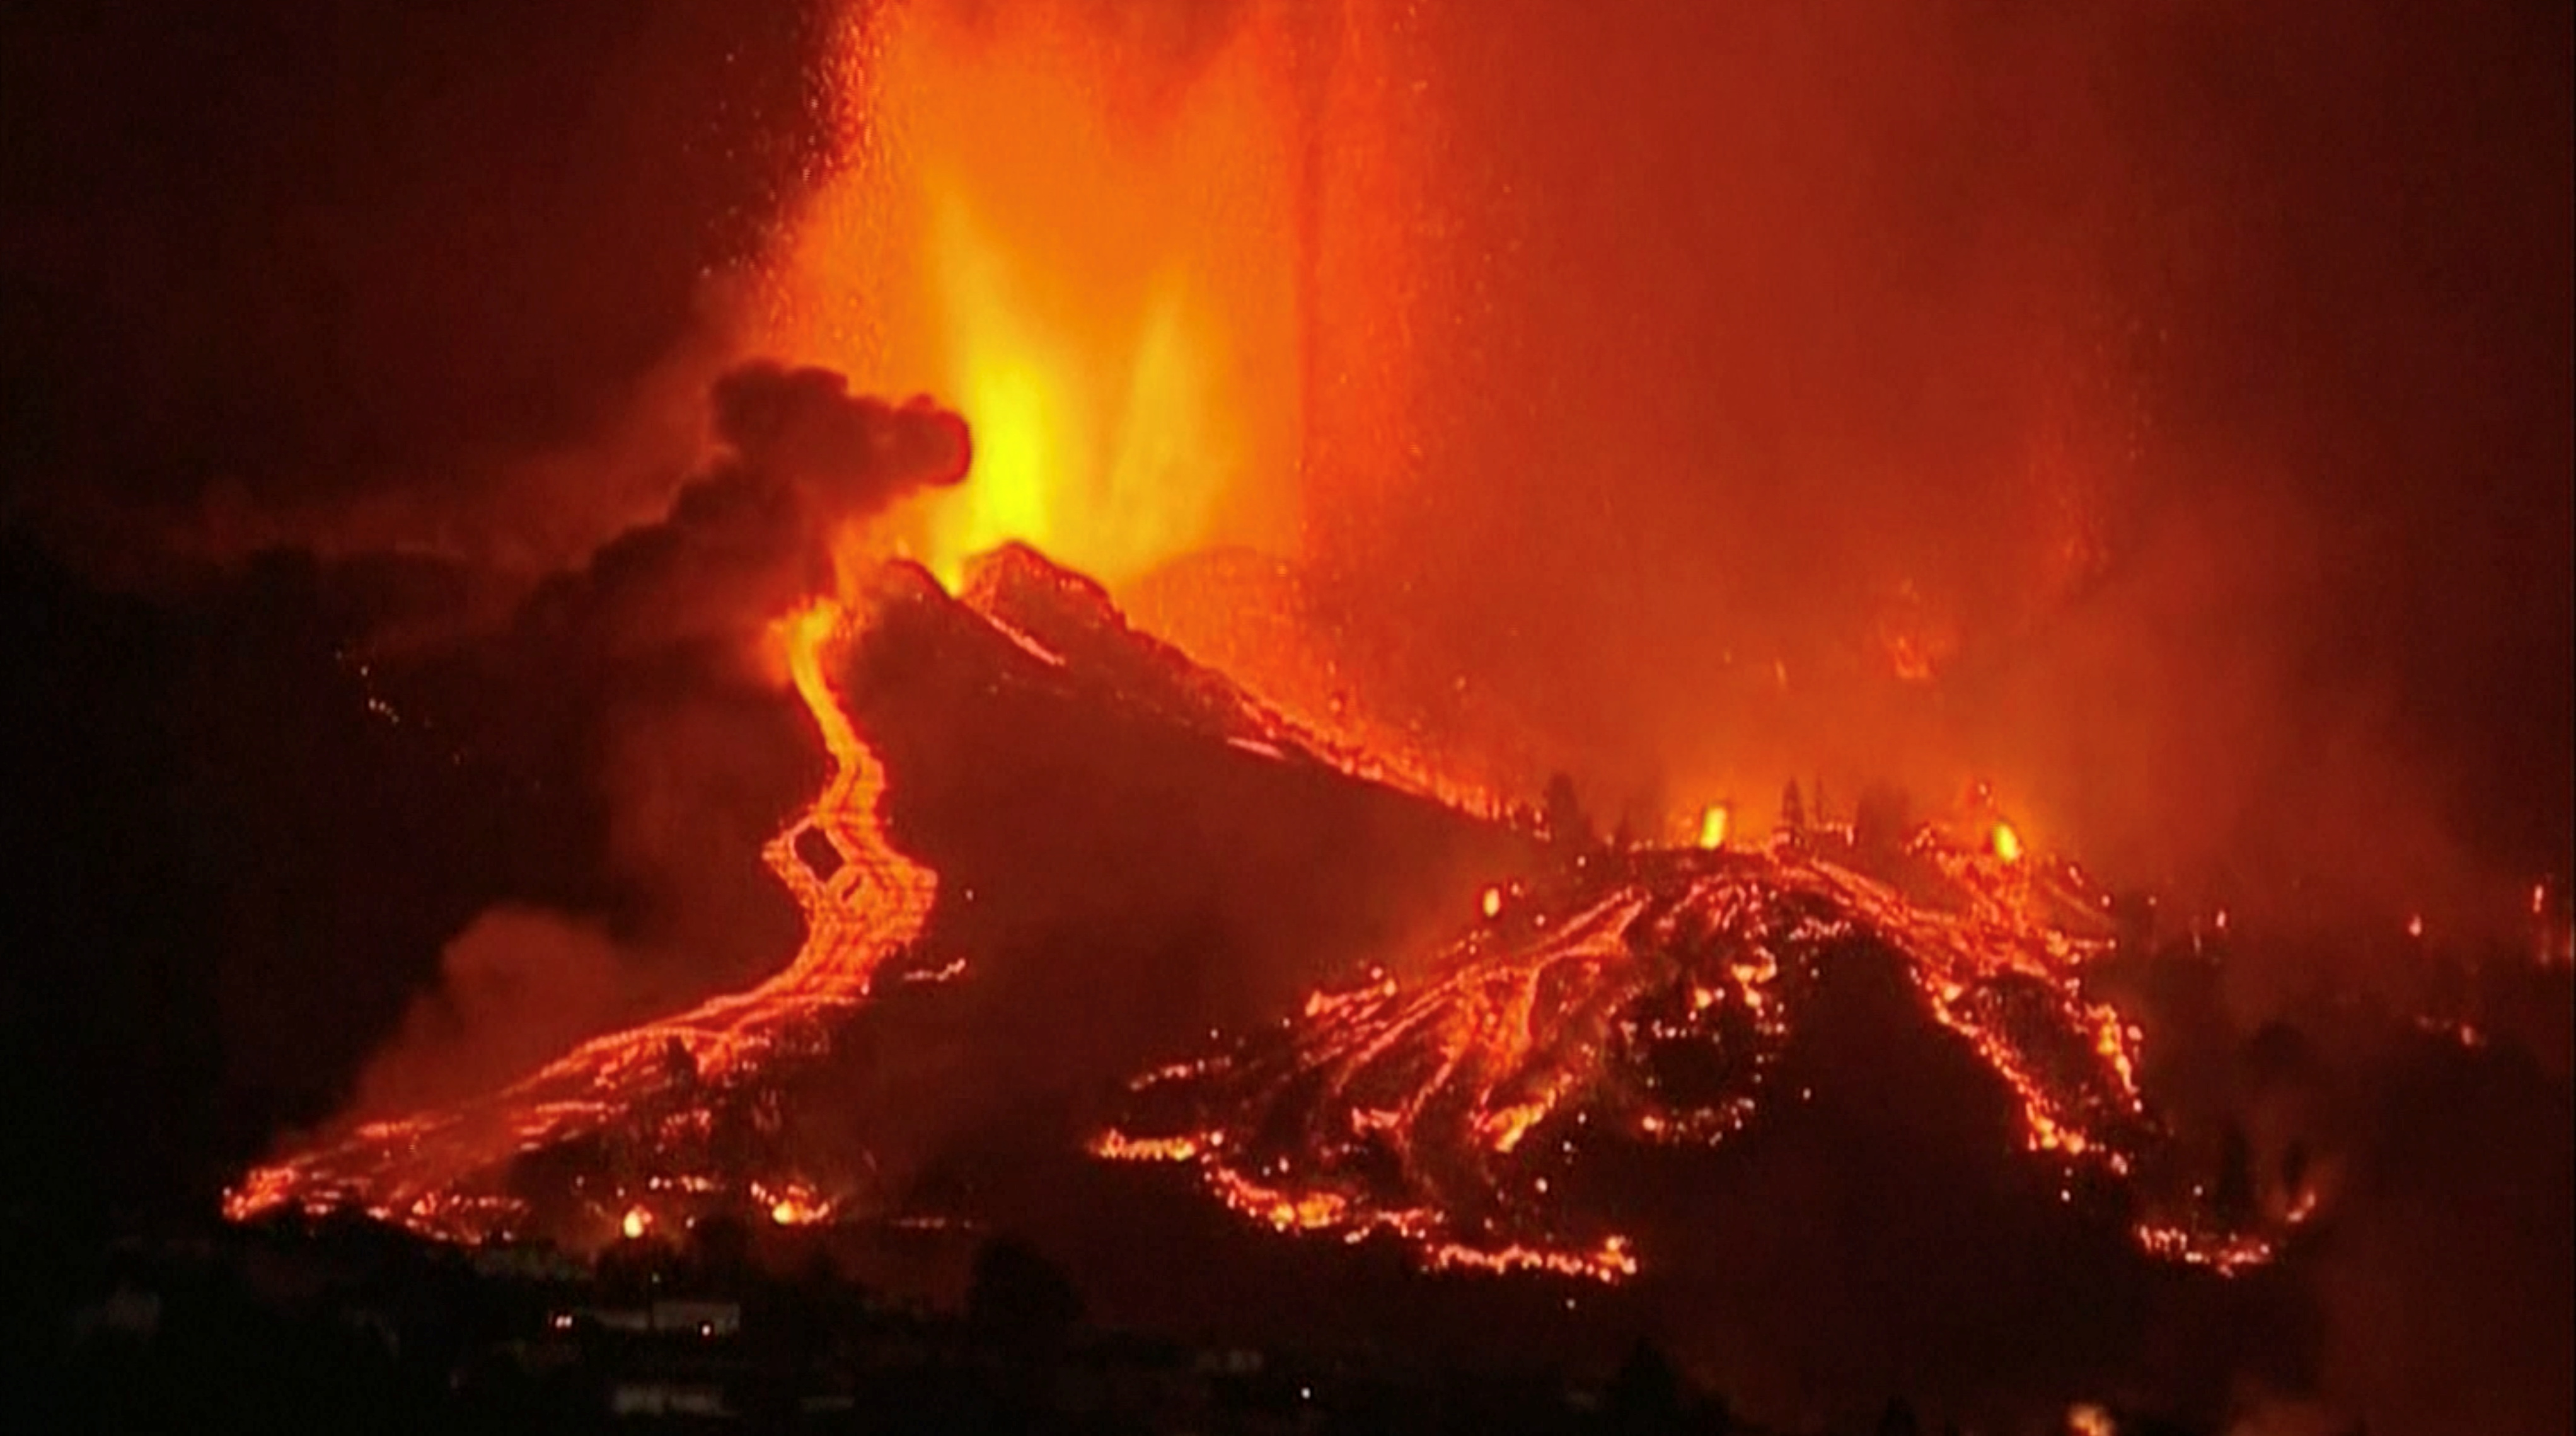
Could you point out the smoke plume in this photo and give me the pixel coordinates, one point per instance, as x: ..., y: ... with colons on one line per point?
x: 639, y: 678
x: 806, y: 461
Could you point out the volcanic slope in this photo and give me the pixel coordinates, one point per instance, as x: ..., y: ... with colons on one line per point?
x: 1498, y: 1107
x: 1076, y: 846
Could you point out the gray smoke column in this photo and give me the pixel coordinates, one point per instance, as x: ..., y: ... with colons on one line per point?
x: 635, y: 672
x: 805, y: 459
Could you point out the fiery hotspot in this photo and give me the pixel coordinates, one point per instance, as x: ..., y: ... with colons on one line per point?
x: 1649, y: 1000
x: 447, y: 1172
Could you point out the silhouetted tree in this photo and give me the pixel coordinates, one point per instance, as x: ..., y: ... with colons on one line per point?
x: 1881, y: 821
x: 1020, y: 1307
x: 1562, y: 813
x: 1647, y: 811
x: 679, y: 1065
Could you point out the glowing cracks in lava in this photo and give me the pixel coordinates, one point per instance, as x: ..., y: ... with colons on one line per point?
x: 1713, y: 825
x: 1442, y: 1115
x: 791, y: 1205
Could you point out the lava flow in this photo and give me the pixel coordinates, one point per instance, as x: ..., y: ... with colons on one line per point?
x: 1652, y: 999
x: 443, y: 1172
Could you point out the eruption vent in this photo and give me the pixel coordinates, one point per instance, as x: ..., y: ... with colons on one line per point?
x: 1085, y: 234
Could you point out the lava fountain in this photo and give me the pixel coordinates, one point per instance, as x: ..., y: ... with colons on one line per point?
x: 1089, y: 236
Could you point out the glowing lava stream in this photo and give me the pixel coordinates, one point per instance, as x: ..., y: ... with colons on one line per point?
x: 418, y: 1170
x: 1654, y: 1003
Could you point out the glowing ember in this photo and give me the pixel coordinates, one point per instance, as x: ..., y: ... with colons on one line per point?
x: 445, y: 1172
x: 1492, y: 902
x: 1652, y: 1006
x: 2007, y: 843
x: 1713, y: 825
x: 635, y: 1224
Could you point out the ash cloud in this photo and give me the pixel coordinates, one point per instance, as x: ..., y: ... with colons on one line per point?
x: 743, y: 542
x: 637, y: 678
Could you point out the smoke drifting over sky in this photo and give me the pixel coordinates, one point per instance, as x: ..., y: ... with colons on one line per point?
x: 639, y: 676
x: 806, y: 462
x: 2192, y: 385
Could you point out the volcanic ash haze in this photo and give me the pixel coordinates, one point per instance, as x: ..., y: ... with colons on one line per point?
x: 652, y: 672
x: 1691, y: 397
x: 2161, y: 410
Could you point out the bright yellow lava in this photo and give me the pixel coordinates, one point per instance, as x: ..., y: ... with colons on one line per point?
x: 1713, y: 825
x: 1090, y: 251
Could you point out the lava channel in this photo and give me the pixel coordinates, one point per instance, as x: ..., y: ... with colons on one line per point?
x: 444, y: 1172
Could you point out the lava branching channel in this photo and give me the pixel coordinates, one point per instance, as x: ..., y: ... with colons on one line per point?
x: 1650, y: 1001
x: 663, y: 1088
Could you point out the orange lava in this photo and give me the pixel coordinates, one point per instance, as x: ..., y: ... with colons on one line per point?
x: 1442, y: 1112
x: 1713, y: 825
x: 444, y: 1172
x: 1083, y: 234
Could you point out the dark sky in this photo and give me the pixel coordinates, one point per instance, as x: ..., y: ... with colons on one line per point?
x: 303, y: 250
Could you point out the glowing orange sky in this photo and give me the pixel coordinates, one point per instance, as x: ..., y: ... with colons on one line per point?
x: 1084, y: 237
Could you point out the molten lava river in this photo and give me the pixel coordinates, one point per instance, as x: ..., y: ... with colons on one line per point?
x: 446, y: 1172
x: 1646, y: 999
x: 1650, y: 998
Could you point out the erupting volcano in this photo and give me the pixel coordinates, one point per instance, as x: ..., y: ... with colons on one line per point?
x: 1042, y: 679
